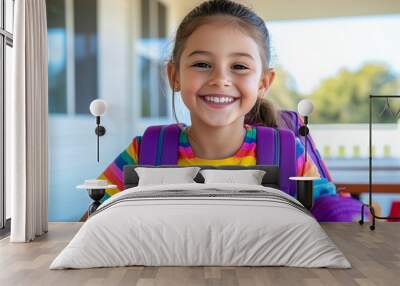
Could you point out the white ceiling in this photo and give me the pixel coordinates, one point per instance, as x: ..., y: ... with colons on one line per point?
x: 301, y: 9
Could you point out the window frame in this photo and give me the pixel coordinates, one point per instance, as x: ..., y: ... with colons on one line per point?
x: 150, y: 29
x: 6, y: 39
x: 72, y: 88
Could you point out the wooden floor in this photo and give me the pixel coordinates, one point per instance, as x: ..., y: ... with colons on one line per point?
x: 374, y: 255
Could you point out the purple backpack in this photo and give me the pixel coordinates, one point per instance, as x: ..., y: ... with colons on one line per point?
x: 159, y: 146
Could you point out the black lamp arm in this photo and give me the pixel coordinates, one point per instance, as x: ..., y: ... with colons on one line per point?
x: 304, y: 131
x: 100, y: 131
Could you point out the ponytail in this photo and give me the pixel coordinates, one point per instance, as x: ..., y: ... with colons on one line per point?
x: 263, y: 112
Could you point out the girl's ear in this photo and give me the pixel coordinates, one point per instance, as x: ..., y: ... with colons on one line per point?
x: 266, y: 80
x: 173, y: 76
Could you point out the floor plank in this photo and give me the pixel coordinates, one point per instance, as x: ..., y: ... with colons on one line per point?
x: 374, y: 255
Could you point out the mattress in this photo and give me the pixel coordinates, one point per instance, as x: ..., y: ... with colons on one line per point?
x: 201, y: 225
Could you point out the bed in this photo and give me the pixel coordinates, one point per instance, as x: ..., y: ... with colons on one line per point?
x: 201, y: 224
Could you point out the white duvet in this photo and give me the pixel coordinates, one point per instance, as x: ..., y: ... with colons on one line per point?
x: 190, y: 230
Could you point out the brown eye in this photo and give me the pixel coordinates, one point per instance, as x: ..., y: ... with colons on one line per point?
x: 240, y: 67
x: 201, y: 65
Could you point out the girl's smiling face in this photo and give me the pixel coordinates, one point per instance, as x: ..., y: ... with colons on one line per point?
x: 220, y: 74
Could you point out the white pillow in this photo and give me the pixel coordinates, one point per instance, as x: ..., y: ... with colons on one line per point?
x: 249, y: 177
x: 162, y: 176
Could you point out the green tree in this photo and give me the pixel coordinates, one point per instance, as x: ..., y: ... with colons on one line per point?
x: 283, y: 91
x: 343, y: 98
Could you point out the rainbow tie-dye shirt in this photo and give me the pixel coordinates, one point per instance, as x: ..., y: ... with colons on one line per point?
x: 245, y: 156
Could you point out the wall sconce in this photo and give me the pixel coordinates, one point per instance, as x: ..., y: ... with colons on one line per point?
x: 305, y: 108
x: 98, y: 108
x: 304, y: 185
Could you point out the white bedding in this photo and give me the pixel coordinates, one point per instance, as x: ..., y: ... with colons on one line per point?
x: 189, y: 230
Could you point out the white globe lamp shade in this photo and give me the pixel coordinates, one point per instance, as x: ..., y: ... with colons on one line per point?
x: 305, y: 107
x: 98, y: 107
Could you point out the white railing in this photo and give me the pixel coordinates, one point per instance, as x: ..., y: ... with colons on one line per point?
x: 352, y: 140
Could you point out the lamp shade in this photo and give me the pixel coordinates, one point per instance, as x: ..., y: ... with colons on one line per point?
x: 98, y: 107
x: 305, y: 107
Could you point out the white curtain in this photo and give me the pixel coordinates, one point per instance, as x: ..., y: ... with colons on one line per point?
x: 27, y: 118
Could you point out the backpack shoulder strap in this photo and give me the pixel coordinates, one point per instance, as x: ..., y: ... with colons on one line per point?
x: 287, y: 161
x: 159, y: 145
x: 169, y: 146
x: 266, y: 136
x: 277, y: 147
x: 148, y: 146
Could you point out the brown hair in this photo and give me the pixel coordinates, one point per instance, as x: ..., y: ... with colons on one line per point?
x: 263, y: 112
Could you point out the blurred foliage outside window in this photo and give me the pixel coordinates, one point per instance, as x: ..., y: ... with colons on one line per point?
x: 342, y: 98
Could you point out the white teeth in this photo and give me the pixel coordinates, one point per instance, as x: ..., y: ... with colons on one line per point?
x: 219, y: 99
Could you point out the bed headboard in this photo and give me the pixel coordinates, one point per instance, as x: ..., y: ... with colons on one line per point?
x: 270, y: 179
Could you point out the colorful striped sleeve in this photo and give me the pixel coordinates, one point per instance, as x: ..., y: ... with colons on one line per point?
x: 308, y: 169
x: 114, y: 172
x: 305, y: 168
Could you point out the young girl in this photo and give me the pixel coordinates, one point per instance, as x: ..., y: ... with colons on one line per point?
x: 221, y: 66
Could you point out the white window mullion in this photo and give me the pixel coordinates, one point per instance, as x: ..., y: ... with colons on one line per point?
x: 2, y: 101
x: 70, y: 67
x: 154, y: 112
